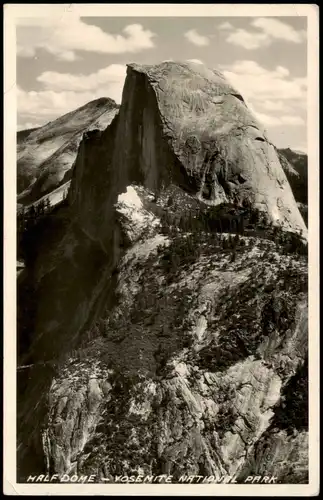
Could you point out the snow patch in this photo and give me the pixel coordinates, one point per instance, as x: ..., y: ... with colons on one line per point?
x: 182, y: 370
x: 130, y: 198
x: 136, y: 220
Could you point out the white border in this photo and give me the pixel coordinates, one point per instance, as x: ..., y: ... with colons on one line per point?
x: 11, y: 12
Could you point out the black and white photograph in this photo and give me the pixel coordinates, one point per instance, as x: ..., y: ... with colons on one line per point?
x: 163, y: 198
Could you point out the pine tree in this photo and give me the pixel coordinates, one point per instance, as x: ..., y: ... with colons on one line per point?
x: 233, y: 256
x: 225, y: 243
x: 47, y: 204
x: 31, y: 216
x: 241, y: 224
x: 41, y: 208
x: 236, y: 240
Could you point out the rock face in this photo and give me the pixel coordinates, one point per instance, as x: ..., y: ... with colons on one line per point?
x: 221, y: 152
x: 157, y: 343
x: 295, y: 166
x: 46, y: 154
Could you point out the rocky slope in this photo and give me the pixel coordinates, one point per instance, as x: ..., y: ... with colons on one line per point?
x: 46, y: 154
x: 162, y: 311
x: 295, y: 166
x: 298, y: 162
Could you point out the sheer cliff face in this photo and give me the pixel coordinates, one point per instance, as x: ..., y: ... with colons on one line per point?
x: 216, y: 147
x: 157, y: 346
x: 184, y: 123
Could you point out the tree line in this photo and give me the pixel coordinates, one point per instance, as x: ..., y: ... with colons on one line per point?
x: 27, y: 217
x: 30, y: 224
x: 244, y: 221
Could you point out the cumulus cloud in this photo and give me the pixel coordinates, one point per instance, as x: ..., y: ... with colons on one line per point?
x: 64, y: 36
x: 264, y: 31
x: 249, y: 41
x: 63, y: 92
x: 275, y: 28
x: 196, y: 39
x: 48, y: 104
x: 257, y: 82
x: 269, y: 91
x: 113, y: 75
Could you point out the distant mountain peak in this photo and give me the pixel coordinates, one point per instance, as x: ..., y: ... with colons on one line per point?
x: 47, y: 153
x: 297, y: 151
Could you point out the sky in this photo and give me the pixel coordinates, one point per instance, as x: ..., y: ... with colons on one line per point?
x: 66, y: 61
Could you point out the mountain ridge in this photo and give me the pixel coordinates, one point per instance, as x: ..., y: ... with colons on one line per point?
x: 162, y: 318
x: 46, y: 154
x: 288, y: 159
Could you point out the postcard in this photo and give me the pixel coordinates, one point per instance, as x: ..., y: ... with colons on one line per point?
x: 161, y: 229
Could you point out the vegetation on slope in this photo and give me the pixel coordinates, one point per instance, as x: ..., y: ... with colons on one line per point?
x: 139, y: 340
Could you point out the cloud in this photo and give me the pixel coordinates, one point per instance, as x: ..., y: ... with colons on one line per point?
x: 247, y: 40
x: 194, y: 37
x: 255, y: 81
x: 264, y: 119
x: 274, y: 121
x: 292, y: 120
x: 107, y: 78
x: 279, y: 30
x: 196, y: 61
x: 62, y: 37
x: 47, y: 104
x: 267, y: 31
x: 225, y: 26
x: 300, y: 149
x: 28, y: 125
x: 269, y: 105
x: 63, y: 92
x: 266, y: 90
